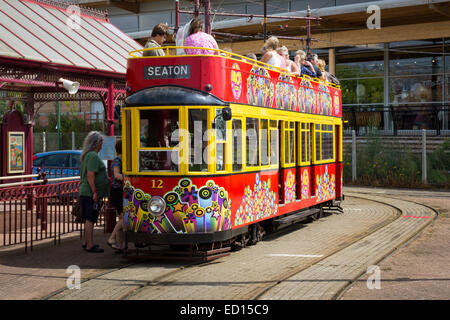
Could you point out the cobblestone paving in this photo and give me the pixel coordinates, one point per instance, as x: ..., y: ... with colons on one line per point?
x: 306, y: 261
x: 327, y: 278
x: 419, y: 269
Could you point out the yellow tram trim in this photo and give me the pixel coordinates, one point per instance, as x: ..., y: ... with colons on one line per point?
x: 136, y: 54
x: 240, y: 112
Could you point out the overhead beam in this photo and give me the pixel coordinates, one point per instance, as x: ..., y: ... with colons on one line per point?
x: 129, y: 5
x: 354, y: 37
x: 441, y: 9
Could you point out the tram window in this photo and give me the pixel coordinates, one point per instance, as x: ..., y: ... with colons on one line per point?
x: 304, y: 145
x: 318, y: 153
x: 264, y: 142
x: 292, y: 147
x: 252, y: 141
x: 274, y: 147
x: 327, y: 144
x: 221, y: 135
x: 308, y: 143
x: 324, y: 142
x: 159, y: 128
x: 286, y: 146
x: 236, y: 127
x: 220, y: 156
x: 273, y: 124
x: 289, y: 142
x: 128, y: 140
x: 306, y: 150
x: 157, y: 160
x: 197, y: 139
x: 221, y: 126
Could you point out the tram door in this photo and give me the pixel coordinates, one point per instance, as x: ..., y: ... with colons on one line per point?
x: 298, y: 159
x: 280, y: 162
x: 313, y: 153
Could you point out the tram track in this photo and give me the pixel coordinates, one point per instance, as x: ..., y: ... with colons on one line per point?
x: 178, y: 282
x: 294, y: 272
x: 346, y: 283
x: 283, y: 277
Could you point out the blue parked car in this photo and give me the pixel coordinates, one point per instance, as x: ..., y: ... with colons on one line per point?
x: 58, y: 164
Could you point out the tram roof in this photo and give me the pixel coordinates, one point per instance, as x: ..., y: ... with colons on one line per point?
x: 57, y: 33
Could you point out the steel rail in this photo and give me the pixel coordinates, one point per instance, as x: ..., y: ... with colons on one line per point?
x: 14, y: 184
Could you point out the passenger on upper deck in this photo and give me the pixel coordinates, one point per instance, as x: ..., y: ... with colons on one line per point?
x: 197, y: 38
x: 321, y: 64
x: 271, y: 56
x: 158, y: 37
x: 328, y: 76
x: 305, y: 66
x: 251, y: 56
x: 291, y: 66
x: 314, y: 59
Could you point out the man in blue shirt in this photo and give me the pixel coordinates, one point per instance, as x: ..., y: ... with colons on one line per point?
x: 314, y: 59
x: 305, y: 66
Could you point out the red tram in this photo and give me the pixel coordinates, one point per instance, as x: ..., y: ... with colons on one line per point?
x: 220, y: 148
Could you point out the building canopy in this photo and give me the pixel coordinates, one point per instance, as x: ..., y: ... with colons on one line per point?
x: 55, y: 33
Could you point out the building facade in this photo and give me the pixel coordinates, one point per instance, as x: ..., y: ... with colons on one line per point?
x: 391, y: 57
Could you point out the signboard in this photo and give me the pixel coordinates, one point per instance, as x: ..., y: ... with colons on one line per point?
x: 167, y: 72
x: 16, y: 155
x: 108, y: 152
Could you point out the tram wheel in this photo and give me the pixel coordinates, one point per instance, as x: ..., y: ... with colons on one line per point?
x: 256, y: 234
x: 317, y: 215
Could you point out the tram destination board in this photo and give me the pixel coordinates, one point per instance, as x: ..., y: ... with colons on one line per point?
x: 167, y: 72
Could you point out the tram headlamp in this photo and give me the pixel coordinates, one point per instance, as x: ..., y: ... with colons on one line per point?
x: 156, y: 205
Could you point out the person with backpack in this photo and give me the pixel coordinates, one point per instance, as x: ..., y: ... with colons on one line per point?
x: 94, y: 184
x: 117, y: 237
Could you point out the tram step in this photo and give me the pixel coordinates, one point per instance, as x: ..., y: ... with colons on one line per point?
x: 294, y: 218
x: 178, y: 255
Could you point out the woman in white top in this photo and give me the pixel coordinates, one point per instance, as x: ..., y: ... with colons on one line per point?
x: 271, y: 56
x: 291, y: 66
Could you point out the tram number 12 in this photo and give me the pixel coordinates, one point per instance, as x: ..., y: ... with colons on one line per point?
x: 156, y: 183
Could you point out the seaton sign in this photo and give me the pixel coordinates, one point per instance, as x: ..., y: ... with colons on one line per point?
x: 167, y: 72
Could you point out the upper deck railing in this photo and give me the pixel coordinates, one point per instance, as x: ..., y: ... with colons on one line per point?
x: 234, y: 79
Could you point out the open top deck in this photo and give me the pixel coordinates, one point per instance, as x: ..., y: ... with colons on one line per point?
x: 233, y: 79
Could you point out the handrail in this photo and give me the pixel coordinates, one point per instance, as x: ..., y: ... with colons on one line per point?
x: 19, y: 177
x: 13, y: 184
x: 228, y: 55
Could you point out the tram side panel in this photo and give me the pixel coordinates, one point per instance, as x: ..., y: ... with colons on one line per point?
x: 193, y: 204
x: 314, y: 190
x: 201, y: 204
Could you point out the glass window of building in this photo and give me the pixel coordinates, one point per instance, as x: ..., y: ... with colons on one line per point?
x: 395, y: 86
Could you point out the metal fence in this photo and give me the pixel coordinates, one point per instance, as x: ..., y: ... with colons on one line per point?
x: 414, y: 161
x: 33, y: 211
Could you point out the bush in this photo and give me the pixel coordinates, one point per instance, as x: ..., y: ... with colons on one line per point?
x: 396, y: 166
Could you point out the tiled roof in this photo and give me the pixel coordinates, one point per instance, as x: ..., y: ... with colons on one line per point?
x: 55, y: 32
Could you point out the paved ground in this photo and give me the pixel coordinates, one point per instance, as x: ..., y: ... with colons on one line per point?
x: 420, y: 269
x: 43, y: 272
